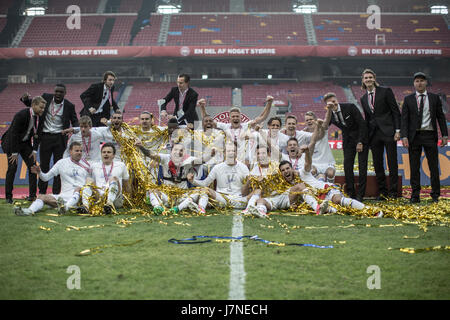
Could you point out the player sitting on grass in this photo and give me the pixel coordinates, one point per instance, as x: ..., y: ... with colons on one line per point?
x: 229, y: 176
x: 293, y: 195
x: 107, y: 175
x: 332, y: 192
x: 73, y: 172
x: 175, y: 168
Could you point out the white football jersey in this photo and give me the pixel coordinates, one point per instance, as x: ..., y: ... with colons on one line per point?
x: 73, y: 174
x: 102, y: 173
x: 229, y: 178
x: 91, y: 145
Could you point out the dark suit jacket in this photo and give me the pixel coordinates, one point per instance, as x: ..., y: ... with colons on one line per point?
x: 386, y: 114
x: 355, y: 129
x: 92, y: 98
x: 189, y: 104
x: 16, y: 132
x: 410, y: 116
x: 69, y: 116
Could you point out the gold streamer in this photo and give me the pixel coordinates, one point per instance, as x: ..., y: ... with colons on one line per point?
x: 98, y: 249
x: 421, y: 250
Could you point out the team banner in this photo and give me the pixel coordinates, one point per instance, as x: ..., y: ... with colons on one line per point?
x: 444, y: 167
x: 221, y: 51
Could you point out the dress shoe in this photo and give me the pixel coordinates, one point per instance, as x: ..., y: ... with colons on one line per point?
x: 414, y: 200
x: 31, y: 199
x: 9, y: 200
x: 435, y: 200
x: 381, y: 197
x: 359, y: 198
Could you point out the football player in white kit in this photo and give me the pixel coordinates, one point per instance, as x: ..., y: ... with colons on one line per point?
x: 264, y: 167
x: 90, y: 140
x: 73, y: 172
x: 204, y: 140
x: 303, y: 137
x: 274, y: 137
x: 323, y: 160
x: 110, y: 175
x: 294, y: 156
x: 237, y: 130
x: 294, y: 194
x: 104, y: 133
x: 229, y: 176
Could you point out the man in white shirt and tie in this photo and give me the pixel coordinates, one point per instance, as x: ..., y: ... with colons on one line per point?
x: 382, y: 116
x: 421, y: 110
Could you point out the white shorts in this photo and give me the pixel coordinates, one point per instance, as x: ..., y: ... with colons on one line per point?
x: 237, y: 202
x: 280, y: 201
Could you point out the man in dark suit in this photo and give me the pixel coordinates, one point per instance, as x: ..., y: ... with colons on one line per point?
x: 21, y: 138
x: 382, y: 117
x: 421, y: 110
x: 347, y: 117
x: 98, y: 100
x: 59, y: 114
x: 185, y: 97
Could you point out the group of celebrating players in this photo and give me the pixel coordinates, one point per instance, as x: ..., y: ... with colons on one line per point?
x: 236, y: 165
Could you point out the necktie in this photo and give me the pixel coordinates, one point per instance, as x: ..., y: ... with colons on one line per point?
x: 341, y: 118
x: 110, y: 98
x: 419, y: 124
x: 371, y: 102
x: 33, y: 130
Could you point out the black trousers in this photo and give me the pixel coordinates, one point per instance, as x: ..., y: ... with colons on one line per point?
x: 349, y: 161
x: 378, y: 144
x: 96, y: 117
x: 51, y: 145
x: 425, y: 140
x: 25, y: 150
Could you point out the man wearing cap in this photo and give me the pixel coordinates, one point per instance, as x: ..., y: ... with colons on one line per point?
x: 420, y: 112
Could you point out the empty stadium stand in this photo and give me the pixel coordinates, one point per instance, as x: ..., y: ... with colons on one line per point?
x: 148, y: 35
x: 52, y: 31
x: 268, y: 6
x: 5, y: 5
x: 60, y: 6
x: 205, y: 6
x: 351, y: 29
x: 241, y: 30
x: 237, y: 29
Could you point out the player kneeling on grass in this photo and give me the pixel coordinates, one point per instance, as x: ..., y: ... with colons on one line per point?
x: 175, y: 168
x: 73, y: 172
x: 108, y: 175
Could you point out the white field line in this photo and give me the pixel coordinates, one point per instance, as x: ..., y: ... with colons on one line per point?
x: 237, y: 272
